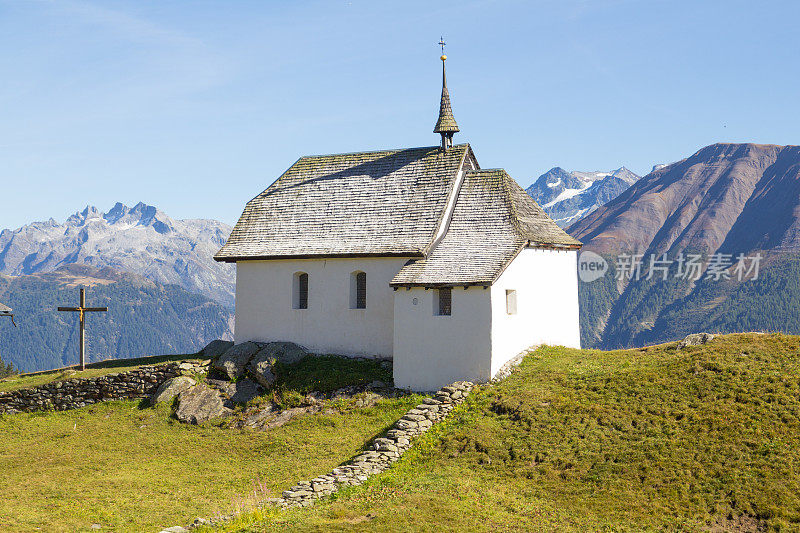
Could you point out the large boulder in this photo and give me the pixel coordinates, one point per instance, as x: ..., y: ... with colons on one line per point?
x: 245, y: 390
x: 695, y: 339
x: 241, y: 391
x: 233, y: 362
x: 200, y: 404
x: 261, y: 366
x: 215, y: 348
x: 287, y: 353
x: 171, y: 388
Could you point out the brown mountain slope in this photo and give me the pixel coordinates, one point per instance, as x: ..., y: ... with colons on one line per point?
x: 728, y: 197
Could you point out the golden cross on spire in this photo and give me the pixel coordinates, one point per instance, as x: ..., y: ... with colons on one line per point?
x: 442, y: 43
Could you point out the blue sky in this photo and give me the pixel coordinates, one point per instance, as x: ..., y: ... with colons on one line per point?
x: 196, y: 107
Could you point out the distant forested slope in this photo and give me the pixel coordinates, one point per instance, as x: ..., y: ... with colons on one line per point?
x: 143, y: 318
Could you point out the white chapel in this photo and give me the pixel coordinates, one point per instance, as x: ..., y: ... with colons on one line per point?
x: 413, y: 254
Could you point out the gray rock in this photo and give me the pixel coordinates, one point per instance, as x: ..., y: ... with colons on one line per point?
x: 695, y: 339
x: 241, y: 391
x: 287, y: 353
x: 260, y: 368
x: 216, y: 348
x: 255, y: 417
x: 171, y: 388
x: 227, y: 388
x: 200, y: 404
x: 234, y: 361
x: 286, y: 415
x: 245, y: 390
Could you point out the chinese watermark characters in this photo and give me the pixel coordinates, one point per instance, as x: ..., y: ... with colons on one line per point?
x: 720, y: 266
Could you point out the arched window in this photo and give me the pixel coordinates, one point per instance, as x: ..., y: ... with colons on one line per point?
x: 358, y: 290
x: 300, y: 290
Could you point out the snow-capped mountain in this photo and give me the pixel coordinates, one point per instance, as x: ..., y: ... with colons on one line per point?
x: 142, y: 240
x: 569, y: 196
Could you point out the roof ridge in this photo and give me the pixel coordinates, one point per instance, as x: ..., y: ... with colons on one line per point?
x: 448, y: 212
x: 381, y: 151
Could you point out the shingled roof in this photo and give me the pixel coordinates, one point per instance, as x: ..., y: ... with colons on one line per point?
x: 459, y: 226
x: 368, y: 203
x: 493, y: 220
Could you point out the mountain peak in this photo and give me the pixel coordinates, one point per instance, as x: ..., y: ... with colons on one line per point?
x: 116, y: 213
x: 625, y: 174
x: 89, y: 212
x: 568, y: 196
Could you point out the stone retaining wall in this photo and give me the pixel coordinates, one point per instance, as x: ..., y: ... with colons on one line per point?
x: 74, y: 393
x: 382, y: 452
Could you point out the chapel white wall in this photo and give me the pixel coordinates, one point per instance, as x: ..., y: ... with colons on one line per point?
x: 431, y: 351
x: 264, y: 306
x: 546, y: 282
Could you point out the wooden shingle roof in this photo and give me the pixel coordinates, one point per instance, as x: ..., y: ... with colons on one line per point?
x: 368, y: 203
x: 493, y: 220
x: 459, y: 226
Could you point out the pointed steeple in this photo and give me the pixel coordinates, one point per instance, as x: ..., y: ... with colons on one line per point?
x: 446, y: 125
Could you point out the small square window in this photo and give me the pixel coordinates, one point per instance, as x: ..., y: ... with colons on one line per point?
x: 511, y: 302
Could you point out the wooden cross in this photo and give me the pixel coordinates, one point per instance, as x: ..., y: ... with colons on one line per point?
x: 6, y: 311
x: 83, y: 309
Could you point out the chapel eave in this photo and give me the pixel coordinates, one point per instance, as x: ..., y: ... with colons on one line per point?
x: 234, y: 259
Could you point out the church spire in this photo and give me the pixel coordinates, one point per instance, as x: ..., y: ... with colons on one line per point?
x: 446, y: 125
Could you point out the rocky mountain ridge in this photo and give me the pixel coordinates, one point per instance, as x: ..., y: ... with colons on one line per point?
x: 725, y: 197
x: 569, y: 196
x: 140, y: 239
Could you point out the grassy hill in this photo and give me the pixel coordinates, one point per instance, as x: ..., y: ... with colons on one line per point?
x: 701, y: 439
x: 654, y: 439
